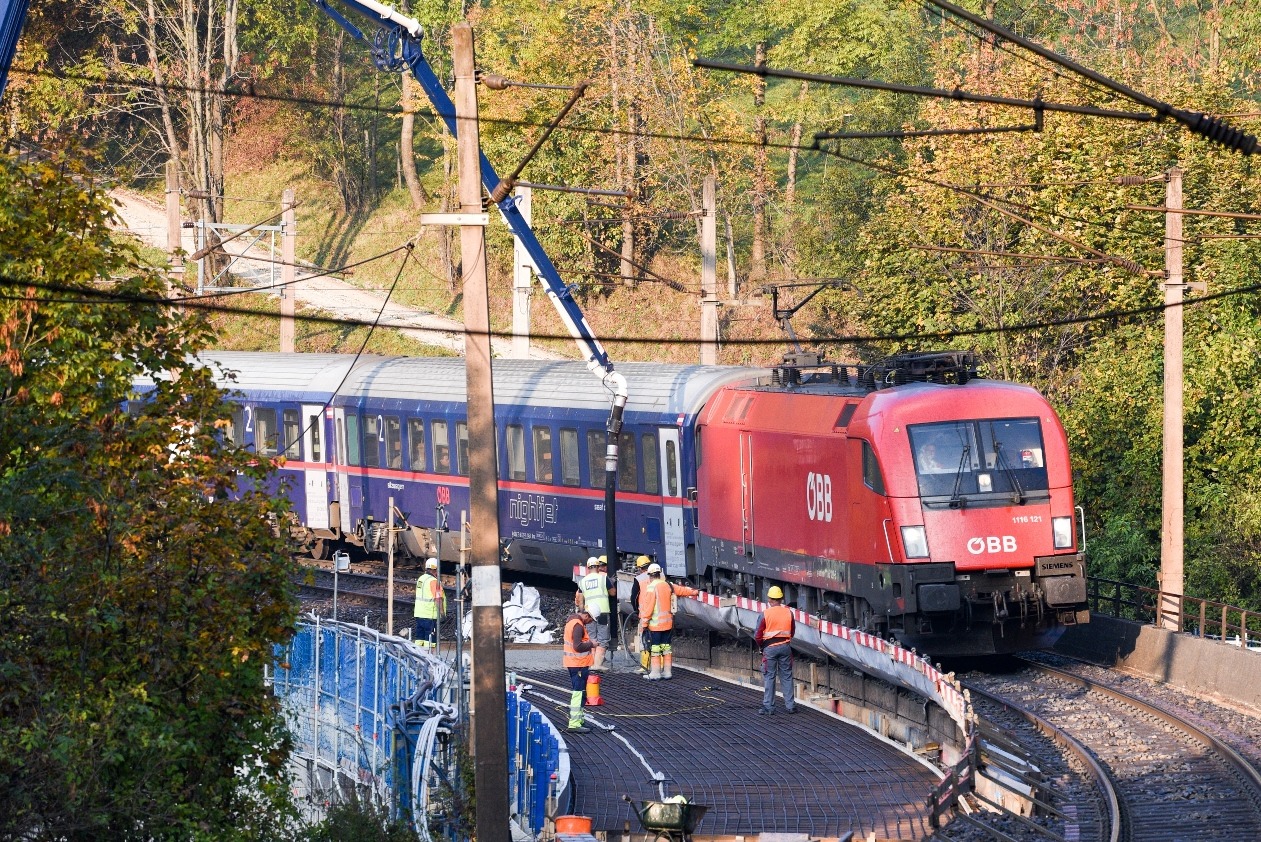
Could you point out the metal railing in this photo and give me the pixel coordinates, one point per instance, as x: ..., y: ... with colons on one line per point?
x: 375, y: 717
x: 1191, y: 615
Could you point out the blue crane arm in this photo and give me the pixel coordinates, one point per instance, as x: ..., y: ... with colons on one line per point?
x: 397, y: 44
x: 12, y: 18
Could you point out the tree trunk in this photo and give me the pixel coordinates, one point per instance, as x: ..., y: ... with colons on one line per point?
x: 407, y: 152
x: 761, y: 179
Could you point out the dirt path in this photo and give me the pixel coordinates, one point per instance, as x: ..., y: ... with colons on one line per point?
x: 147, y: 221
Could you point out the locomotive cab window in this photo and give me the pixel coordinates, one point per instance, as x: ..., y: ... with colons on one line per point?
x: 872, y: 477
x: 994, y: 461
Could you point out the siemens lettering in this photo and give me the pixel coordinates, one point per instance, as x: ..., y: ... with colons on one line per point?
x: 533, y: 508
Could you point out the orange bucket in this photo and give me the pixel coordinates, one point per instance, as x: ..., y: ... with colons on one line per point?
x: 573, y: 824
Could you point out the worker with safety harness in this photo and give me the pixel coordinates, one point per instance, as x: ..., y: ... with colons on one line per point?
x: 594, y: 590
x: 774, y: 636
x: 577, y: 659
x: 431, y: 604
x: 656, y: 615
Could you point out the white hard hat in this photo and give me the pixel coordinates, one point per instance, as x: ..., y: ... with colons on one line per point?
x: 591, y: 560
x: 431, y: 563
x: 654, y: 568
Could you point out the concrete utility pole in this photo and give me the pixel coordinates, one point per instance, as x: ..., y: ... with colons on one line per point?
x: 522, y: 278
x: 1171, y: 527
x: 490, y: 723
x: 288, y: 254
x: 709, y: 272
x: 174, y: 230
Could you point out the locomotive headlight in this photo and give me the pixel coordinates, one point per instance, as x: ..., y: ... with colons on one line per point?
x: 915, y: 541
x: 1062, y: 531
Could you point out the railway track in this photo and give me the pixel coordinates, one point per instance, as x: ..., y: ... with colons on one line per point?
x: 1142, y: 769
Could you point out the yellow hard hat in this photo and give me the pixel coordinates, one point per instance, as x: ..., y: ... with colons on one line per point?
x: 775, y: 593
x: 643, y: 561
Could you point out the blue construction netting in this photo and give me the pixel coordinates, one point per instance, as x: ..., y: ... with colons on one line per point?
x: 376, y: 717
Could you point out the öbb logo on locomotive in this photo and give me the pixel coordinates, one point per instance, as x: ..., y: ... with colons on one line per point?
x: 918, y: 467
x: 819, y: 497
x: 992, y: 544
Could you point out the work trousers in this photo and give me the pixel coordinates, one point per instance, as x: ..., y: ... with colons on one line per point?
x: 777, y: 661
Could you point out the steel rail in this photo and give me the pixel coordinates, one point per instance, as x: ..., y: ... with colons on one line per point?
x: 1105, y: 785
x: 1242, y: 767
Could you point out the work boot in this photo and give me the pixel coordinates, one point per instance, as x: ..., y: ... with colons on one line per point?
x: 597, y: 664
x: 578, y: 729
x: 667, y: 661
x: 654, y: 668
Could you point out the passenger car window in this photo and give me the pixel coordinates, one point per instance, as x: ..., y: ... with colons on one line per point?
x: 265, y: 433
x: 595, y: 458
x: 515, y: 436
x: 441, y: 447
x: 543, y: 454
x: 627, y: 463
x: 652, y: 464
x: 293, y: 434
x: 570, y: 465
x: 416, y: 440
x: 461, y: 442
x: 371, y: 435
x: 393, y: 443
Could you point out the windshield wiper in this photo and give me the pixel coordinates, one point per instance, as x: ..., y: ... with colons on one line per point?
x: 957, y: 501
x: 1018, y: 493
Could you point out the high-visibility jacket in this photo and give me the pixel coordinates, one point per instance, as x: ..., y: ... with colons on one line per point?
x: 594, y: 588
x: 656, y: 603
x: 577, y: 645
x: 775, y: 626
x: 431, y: 602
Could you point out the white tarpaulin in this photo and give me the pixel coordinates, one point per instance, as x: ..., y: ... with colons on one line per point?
x: 523, y: 619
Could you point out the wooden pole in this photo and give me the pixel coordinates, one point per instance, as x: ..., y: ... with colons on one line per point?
x: 522, y: 278
x: 288, y: 254
x: 709, y: 273
x: 1171, y: 531
x: 490, y: 722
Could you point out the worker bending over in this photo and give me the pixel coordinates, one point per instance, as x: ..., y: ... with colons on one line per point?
x: 656, y: 615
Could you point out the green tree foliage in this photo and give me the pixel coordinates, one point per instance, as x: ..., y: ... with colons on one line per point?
x: 141, y: 593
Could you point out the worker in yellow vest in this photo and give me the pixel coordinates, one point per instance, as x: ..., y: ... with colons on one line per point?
x: 594, y: 592
x: 656, y: 615
x: 774, y: 634
x: 431, y: 606
x: 578, y: 657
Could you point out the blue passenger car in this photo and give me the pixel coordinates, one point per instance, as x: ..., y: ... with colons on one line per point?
x: 357, y: 433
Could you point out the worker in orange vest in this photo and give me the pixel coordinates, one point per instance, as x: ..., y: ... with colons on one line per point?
x: 656, y: 615
x: 638, y: 644
x: 578, y: 657
x: 774, y: 636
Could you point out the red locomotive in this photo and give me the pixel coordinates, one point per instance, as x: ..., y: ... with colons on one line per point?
x: 913, y: 500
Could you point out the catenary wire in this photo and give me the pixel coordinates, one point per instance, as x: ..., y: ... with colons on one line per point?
x: 89, y: 296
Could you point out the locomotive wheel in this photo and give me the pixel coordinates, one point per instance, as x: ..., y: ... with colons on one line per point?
x: 319, y: 549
